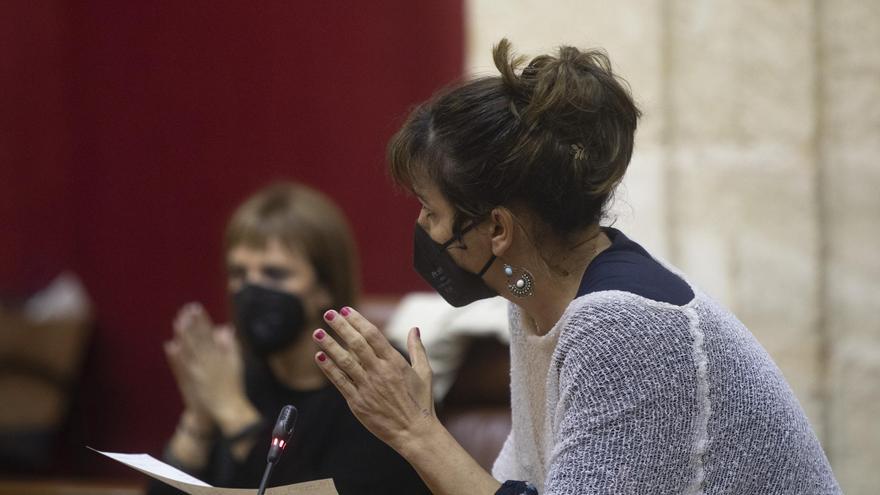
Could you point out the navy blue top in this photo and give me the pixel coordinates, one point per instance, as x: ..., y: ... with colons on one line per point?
x: 626, y: 266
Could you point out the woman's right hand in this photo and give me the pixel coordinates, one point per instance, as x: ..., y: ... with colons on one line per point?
x: 211, y: 370
x: 191, y: 441
x: 194, y: 410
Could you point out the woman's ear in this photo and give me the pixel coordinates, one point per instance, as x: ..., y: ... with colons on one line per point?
x: 502, y: 223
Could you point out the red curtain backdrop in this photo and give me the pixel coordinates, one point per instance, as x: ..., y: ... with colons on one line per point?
x: 130, y: 130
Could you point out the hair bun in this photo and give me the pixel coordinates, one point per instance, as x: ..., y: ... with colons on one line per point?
x: 565, y: 93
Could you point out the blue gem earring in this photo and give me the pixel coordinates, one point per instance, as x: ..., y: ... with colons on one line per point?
x: 521, y: 285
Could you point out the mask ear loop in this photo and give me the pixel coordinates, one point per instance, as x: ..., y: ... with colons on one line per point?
x: 486, y: 266
x: 464, y: 231
x: 458, y: 237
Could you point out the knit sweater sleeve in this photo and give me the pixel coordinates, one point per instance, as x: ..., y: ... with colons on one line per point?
x: 626, y: 416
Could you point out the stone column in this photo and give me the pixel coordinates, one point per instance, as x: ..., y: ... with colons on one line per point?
x: 741, y: 186
x: 849, y: 105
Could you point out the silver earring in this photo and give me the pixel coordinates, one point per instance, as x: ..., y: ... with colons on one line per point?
x: 522, y: 285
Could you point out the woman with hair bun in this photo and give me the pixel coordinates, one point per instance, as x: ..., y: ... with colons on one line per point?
x: 625, y: 377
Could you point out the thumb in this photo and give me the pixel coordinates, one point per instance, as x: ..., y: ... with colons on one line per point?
x: 172, y: 355
x: 417, y: 354
x: 175, y: 362
x: 225, y: 335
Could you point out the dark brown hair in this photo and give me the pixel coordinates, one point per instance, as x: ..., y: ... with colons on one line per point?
x: 555, y: 137
x: 302, y: 219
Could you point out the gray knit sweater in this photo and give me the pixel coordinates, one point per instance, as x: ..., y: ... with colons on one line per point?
x: 630, y: 395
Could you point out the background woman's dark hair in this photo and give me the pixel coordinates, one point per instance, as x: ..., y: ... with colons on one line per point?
x: 305, y: 221
x: 555, y: 137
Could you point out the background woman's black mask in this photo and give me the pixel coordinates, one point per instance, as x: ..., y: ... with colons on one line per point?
x: 268, y: 320
x: 457, y: 285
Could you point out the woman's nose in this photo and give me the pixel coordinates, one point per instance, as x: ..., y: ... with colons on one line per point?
x: 253, y: 277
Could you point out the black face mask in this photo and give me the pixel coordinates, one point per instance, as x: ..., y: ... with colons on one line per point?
x: 457, y: 285
x: 268, y: 320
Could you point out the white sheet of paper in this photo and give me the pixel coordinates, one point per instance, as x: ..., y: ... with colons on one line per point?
x: 178, y: 479
x: 151, y: 465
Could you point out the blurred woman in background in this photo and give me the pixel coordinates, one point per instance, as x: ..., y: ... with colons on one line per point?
x: 290, y: 256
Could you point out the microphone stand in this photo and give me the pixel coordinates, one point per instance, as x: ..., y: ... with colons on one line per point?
x: 280, y: 438
x: 266, y: 474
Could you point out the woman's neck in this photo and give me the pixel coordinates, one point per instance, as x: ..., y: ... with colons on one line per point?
x: 555, y: 288
x: 295, y: 366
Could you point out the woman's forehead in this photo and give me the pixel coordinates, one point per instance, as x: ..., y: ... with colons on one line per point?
x: 427, y: 191
x: 272, y: 251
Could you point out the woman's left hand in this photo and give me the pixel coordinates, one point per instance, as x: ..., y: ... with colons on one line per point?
x: 388, y: 395
x: 393, y: 400
x: 213, y: 363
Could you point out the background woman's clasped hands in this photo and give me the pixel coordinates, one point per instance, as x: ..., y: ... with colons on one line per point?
x: 207, y: 364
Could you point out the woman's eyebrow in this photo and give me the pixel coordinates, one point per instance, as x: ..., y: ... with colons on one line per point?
x: 274, y: 266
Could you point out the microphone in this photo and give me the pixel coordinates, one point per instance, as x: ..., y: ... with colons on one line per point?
x: 280, y: 438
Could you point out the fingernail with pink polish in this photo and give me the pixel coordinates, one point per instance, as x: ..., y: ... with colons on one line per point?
x: 418, y: 333
x: 322, y: 357
x: 345, y: 311
x: 329, y: 315
x: 319, y: 334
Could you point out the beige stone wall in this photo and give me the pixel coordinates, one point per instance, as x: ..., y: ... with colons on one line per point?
x: 756, y: 172
x: 849, y: 154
